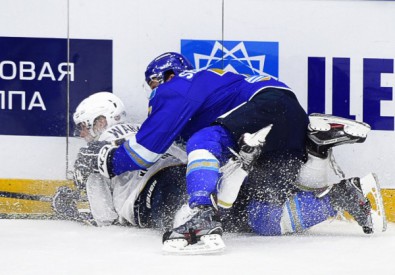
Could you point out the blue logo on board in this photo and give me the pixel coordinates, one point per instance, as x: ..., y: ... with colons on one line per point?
x: 247, y: 57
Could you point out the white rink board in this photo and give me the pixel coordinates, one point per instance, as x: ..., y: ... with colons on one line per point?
x: 140, y: 30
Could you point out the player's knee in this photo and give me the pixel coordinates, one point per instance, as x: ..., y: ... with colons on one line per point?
x: 214, y: 139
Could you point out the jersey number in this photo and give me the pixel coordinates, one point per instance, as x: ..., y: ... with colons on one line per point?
x: 187, y: 74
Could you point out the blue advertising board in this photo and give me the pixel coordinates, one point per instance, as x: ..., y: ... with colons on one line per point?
x: 372, y: 94
x: 42, y: 80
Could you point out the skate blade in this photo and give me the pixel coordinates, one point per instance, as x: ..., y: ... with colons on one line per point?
x: 321, y: 122
x: 259, y: 137
x: 208, y: 244
x: 371, y: 189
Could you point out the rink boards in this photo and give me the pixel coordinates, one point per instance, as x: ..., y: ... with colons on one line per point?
x: 32, y: 198
x: 55, y: 53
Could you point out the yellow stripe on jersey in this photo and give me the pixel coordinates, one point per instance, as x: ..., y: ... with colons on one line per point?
x: 203, y: 164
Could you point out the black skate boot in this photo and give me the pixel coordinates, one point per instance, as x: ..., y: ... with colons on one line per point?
x: 248, y: 156
x: 200, y: 234
x: 347, y: 195
x: 327, y: 131
x: 240, y: 165
x: 251, y: 147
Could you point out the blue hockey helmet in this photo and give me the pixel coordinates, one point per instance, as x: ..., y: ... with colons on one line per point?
x: 167, y: 62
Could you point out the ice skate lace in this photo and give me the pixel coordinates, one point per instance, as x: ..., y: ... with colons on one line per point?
x: 335, y: 167
x: 202, y: 220
x: 183, y: 215
x: 246, y: 158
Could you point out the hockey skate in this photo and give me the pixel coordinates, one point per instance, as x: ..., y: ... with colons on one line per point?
x: 237, y: 168
x: 251, y: 146
x: 201, y: 234
x: 371, y: 189
x: 327, y: 131
x: 351, y: 195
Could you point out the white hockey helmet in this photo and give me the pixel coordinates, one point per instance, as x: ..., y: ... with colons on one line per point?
x: 99, y: 104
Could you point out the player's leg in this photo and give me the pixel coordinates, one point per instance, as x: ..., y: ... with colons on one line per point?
x: 98, y: 189
x: 300, y: 212
x: 324, y: 133
x: 304, y: 209
x: 284, y: 143
x: 237, y: 168
x: 275, y: 107
x: 162, y: 196
x: 206, y: 150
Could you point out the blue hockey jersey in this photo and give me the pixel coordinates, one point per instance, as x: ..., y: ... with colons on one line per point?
x: 189, y: 102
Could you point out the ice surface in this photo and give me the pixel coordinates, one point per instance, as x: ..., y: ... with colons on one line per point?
x: 62, y: 247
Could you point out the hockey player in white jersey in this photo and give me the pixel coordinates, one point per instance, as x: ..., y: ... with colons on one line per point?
x: 139, y: 198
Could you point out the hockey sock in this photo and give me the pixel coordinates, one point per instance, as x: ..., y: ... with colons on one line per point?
x: 264, y: 218
x: 206, y: 149
x: 299, y: 213
x: 202, y: 177
x: 305, y: 210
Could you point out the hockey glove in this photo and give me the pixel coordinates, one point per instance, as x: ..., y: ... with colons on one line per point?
x: 64, y: 203
x: 81, y: 172
x: 85, y: 164
x: 104, y: 160
x: 95, y: 158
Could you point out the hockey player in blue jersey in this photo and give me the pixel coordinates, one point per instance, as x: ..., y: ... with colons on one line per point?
x: 214, y: 113
x: 210, y: 111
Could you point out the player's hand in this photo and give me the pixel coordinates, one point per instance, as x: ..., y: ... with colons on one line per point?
x: 87, y: 162
x: 81, y: 172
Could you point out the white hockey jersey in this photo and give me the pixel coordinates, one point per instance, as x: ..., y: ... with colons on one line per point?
x: 114, y: 199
